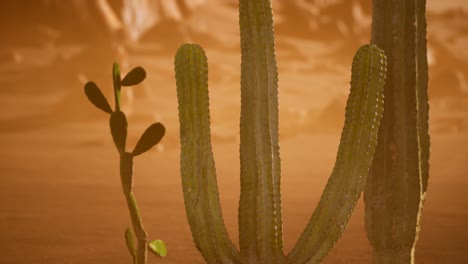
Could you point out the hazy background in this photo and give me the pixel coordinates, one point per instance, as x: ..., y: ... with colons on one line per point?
x: 60, y: 197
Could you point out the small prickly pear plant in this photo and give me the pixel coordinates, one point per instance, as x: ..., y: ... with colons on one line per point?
x: 397, y: 182
x: 152, y: 135
x: 260, y: 217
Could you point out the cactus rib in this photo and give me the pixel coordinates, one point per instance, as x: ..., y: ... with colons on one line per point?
x: 358, y: 141
x: 197, y: 164
x: 422, y: 94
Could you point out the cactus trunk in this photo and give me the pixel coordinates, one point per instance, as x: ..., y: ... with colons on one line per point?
x: 397, y: 181
x: 260, y: 221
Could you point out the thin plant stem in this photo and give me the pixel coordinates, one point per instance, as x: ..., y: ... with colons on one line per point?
x: 126, y: 173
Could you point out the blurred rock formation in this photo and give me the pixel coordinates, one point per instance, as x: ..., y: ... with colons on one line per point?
x: 46, y: 40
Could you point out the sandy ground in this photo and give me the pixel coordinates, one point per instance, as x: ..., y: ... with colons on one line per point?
x: 60, y: 195
x: 61, y: 200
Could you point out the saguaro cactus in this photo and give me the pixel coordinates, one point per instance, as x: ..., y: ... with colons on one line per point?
x: 397, y: 181
x: 152, y: 135
x: 260, y: 221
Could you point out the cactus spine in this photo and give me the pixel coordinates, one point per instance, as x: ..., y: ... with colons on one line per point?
x: 397, y: 181
x: 260, y: 221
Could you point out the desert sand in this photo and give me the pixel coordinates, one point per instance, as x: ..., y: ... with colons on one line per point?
x: 60, y: 194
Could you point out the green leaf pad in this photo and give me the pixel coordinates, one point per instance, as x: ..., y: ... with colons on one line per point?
x: 158, y: 247
x: 149, y: 139
x: 134, y: 77
x: 118, y: 125
x: 96, y: 97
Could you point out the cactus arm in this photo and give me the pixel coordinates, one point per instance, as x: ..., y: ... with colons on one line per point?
x: 197, y: 164
x: 358, y: 141
x: 260, y: 224
x: 398, y: 177
x: 126, y: 176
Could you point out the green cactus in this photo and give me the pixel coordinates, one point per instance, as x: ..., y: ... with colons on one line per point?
x: 397, y: 182
x: 152, y: 135
x: 197, y: 164
x: 260, y: 220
